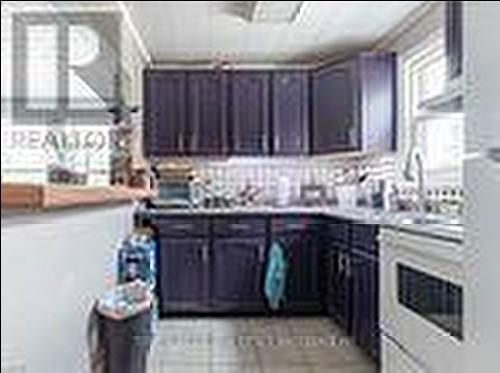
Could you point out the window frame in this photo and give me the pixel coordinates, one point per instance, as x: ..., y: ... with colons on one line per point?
x: 425, y: 52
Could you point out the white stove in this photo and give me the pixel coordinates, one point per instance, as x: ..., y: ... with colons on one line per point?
x: 421, y: 303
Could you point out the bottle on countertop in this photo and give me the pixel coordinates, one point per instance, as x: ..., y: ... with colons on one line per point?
x: 378, y: 194
x: 393, y: 198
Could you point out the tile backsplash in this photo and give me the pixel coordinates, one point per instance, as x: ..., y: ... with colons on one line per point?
x: 274, y: 176
x: 274, y: 180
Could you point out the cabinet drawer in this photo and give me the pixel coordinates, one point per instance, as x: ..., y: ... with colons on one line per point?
x: 293, y: 224
x: 338, y: 230
x: 364, y: 236
x: 239, y: 226
x: 182, y: 226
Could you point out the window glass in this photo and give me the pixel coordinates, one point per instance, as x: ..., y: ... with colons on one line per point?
x: 439, y: 136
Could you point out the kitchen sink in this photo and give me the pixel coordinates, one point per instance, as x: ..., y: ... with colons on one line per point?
x: 433, y: 220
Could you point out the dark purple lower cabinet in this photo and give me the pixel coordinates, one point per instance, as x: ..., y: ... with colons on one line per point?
x: 218, y: 266
x: 183, y: 277
x: 365, y: 319
x: 339, y: 285
x: 302, y: 287
x: 237, y: 274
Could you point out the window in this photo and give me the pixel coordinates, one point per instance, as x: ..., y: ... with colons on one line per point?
x: 439, y: 136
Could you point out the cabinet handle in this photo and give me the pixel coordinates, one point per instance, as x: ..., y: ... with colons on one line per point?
x: 205, y: 254
x: 182, y: 227
x: 348, y: 271
x: 340, y: 262
x: 265, y: 144
x: 194, y: 142
x: 294, y: 226
x: 277, y: 143
x: 239, y: 226
x: 180, y: 141
x: 262, y: 258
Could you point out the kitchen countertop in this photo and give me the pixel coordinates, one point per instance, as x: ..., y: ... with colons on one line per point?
x: 401, y: 221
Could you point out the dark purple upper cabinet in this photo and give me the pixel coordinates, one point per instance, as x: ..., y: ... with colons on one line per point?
x: 249, y: 112
x: 376, y: 101
x: 207, y: 113
x: 354, y: 105
x: 237, y: 273
x: 290, y: 113
x: 335, y: 126
x: 165, y: 114
x: 454, y: 38
x: 183, y: 274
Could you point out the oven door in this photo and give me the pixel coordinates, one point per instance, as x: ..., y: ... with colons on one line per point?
x: 421, y: 300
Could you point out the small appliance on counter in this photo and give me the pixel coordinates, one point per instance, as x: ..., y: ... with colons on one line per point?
x: 347, y: 195
x: 284, y: 191
x: 174, y: 184
x: 313, y: 195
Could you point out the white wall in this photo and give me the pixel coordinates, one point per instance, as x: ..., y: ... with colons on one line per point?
x: 53, y: 266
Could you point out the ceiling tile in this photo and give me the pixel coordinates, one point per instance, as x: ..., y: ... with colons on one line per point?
x: 175, y: 31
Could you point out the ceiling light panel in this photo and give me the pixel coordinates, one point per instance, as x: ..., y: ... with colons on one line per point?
x: 275, y: 11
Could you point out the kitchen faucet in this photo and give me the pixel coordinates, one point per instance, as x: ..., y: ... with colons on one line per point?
x: 415, y: 165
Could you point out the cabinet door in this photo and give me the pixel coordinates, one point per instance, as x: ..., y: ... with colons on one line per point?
x: 376, y: 81
x: 302, y: 286
x: 183, y: 274
x: 249, y: 113
x: 365, y: 324
x: 165, y: 125
x: 454, y: 38
x: 331, y: 275
x: 335, y: 121
x: 339, y: 288
x: 290, y: 113
x: 237, y: 274
x: 207, y: 99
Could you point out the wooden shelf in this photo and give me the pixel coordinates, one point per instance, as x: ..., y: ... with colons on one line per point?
x: 41, y: 197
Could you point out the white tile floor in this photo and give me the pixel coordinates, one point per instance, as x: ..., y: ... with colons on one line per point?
x: 254, y: 345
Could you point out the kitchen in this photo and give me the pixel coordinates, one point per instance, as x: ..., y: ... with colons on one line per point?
x: 314, y: 186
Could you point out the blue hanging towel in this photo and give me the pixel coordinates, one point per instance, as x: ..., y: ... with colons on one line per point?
x: 275, y: 281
